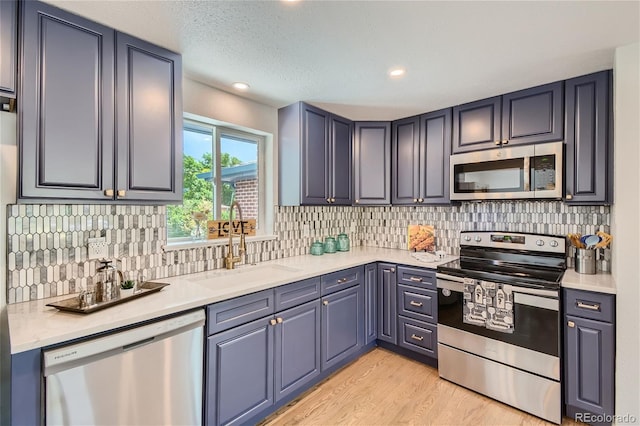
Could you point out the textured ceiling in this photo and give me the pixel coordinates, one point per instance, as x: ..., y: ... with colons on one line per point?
x: 336, y: 54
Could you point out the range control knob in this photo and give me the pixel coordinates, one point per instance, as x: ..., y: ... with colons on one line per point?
x: 553, y: 243
x: 478, y: 238
x: 467, y: 238
x: 539, y: 243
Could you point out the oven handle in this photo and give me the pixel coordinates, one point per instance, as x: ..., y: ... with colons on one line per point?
x: 457, y: 284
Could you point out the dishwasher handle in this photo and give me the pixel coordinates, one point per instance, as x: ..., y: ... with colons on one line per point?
x: 70, y: 356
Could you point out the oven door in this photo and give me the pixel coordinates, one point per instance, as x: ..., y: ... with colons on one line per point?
x: 534, y: 344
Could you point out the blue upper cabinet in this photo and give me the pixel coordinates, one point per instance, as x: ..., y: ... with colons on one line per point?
x: 476, y: 125
x: 533, y: 115
x: 524, y: 117
x: 8, y: 48
x: 66, y: 135
x: 589, y: 162
x: 68, y: 131
x: 372, y: 163
x: 149, y: 132
x: 420, y: 158
x: 314, y: 148
x: 405, y: 158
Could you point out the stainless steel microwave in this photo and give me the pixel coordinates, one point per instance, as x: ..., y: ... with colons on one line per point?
x: 530, y: 171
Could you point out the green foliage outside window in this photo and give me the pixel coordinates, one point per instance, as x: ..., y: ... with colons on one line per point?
x: 198, y: 194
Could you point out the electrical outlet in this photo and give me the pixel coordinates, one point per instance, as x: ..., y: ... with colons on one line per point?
x: 305, y: 230
x: 97, y: 248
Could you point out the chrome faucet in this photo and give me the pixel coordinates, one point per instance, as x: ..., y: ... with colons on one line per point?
x: 230, y: 260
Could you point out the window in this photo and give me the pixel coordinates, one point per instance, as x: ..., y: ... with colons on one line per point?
x: 221, y: 165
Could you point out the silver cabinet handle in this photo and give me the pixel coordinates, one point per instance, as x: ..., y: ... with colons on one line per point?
x: 420, y: 200
x: 342, y: 280
x: 590, y: 306
x: 122, y: 193
x: 108, y: 192
x: 569, y: 197
x: 325, y: 302
x: 506, y: 141
x: 415, y: 200
x: 418, y: 304
x: 497, y: 142
x: 273, y: 321
x: 418, y: 338
x: 328, y: 200
x: 415, y: 279
x: 279, y: 320
x: 333, y: 200
x: 392, y: 270
x: 357, y: 201
x: 571, y: 324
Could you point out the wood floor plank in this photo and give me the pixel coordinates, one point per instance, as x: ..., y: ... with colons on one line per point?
x: 384, y: 388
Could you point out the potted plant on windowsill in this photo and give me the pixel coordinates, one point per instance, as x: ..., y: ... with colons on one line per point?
x: 127, y: 288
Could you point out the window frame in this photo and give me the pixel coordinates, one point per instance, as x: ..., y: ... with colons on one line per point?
x: 264, y: 220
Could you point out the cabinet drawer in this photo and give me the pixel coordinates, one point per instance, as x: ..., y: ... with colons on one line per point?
x: 294, y: 294
x: 418, y: 336
x: 231, y: 313
x: 586, y: 304
x: 417, y: 277
x: 418, y: 303
x: 336, y: 281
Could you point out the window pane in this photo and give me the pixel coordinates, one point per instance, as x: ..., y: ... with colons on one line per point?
x: 197, y: 206
x: 239, y: 174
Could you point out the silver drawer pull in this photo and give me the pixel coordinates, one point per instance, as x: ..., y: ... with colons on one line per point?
x: 418, y: 338
x: 416, y: 279
x: 342, y: 280
x: 590, y: 306
x: 418, y: 304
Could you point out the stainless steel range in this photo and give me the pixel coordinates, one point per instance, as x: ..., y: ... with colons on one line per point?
x: 499, y: 320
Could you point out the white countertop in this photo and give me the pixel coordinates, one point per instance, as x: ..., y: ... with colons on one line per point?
x: 33, y: 325
x: 601, y: 282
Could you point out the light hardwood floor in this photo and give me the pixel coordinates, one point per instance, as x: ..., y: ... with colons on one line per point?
x: 383, y: 388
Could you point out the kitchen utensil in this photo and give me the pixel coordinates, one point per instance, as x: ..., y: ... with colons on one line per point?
x: 591, y: 240
x: 585, y: 261
x: 575, y: 240
x: 605, y: 239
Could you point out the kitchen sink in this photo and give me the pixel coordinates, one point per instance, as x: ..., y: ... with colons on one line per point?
x: 260, y: 270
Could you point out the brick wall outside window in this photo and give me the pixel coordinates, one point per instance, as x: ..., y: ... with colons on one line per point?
x: 247, y: 196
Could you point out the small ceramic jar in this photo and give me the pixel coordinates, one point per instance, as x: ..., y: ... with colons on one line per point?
x: 317, y: 249
x: 343, y: 242
x: 329, y: 245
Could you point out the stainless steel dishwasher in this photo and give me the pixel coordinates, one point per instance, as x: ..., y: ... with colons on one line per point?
x: 148, y: 375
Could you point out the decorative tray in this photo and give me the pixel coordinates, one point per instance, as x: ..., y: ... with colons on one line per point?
x: 73, y: 304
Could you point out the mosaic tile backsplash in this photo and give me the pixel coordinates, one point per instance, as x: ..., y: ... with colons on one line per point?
x: 47, y: 253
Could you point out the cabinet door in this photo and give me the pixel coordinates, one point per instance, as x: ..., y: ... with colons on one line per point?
x: 435, y: 149
x: 370, y: 301
x: 239, y: 372
x: 372, y: 163
x: 589, y: 364
x: 533, y: 115
x: 66, y: 140
x: 297, y: 346
x: 341, y: 133
x: 315, y: 155
x: 405, y: 161
x: 476, y: 125
x: 387, y: 313
x: 589, y: 177
x: 342, y: 325
x: 149, y: 111
x: 8, y: 47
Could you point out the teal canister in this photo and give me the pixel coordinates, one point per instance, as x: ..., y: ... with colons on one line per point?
x: 329, y: 245
x: 317, y: 249
x: 343, y: 242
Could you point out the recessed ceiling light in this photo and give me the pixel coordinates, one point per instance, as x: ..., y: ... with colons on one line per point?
x: 397, y: 72
x: 240, y: 85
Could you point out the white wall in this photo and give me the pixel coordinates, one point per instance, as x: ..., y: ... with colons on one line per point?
x: 626, y: 228
x: 236, y: 112
x: 8, y: 163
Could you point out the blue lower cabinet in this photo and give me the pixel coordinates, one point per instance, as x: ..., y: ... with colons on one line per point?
x: 240, y: 372
x: 342, y: 325
x: 370, y: 301
x: 418, y: 336
x: 297, y: 348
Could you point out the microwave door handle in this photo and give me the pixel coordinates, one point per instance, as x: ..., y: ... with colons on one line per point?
x: 527, y: 174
